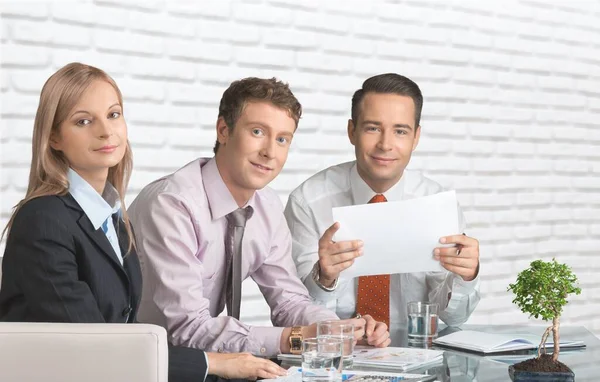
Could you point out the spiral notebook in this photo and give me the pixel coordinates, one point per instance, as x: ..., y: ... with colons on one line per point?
x: 493, y: 343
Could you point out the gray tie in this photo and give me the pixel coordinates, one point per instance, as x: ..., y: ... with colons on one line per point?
x: 233, y: 250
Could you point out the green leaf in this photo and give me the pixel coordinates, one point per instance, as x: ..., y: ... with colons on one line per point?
x: 542, y: 289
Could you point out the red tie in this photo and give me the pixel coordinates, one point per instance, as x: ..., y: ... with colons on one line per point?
x: 373, y: 295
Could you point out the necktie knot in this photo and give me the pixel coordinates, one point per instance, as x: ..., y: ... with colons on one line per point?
x: 239, y: 217
x: 379, y: 198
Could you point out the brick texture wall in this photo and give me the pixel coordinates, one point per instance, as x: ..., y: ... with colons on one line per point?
x: 511, y: 118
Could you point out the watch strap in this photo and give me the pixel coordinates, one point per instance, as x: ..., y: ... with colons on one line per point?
x: 296, y: 340
x: 315, y: 275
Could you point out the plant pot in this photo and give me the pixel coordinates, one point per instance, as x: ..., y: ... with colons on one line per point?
x: 539, y: 376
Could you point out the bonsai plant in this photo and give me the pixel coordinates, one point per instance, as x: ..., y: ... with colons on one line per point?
x: 542, y: 291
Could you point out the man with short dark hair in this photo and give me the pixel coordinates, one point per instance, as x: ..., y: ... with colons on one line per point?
x: 213, y: 223
x: 384, y: 130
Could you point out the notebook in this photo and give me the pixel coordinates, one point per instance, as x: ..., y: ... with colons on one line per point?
x: 295, y: 375
x: 404, y: 359
x: 491, y: 343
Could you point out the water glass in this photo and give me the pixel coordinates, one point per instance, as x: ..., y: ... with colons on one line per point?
x: 343, y: 331
x: 422, y: 321
x: 322, y: 360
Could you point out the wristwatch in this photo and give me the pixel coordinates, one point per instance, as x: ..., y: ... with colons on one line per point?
x: 296, y: 340
x: 315, y: 275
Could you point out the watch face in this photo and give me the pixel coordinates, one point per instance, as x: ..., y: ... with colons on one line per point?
x: 296, y: 343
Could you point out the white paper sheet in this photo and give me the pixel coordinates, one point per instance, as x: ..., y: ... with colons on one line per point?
x: 399, y: 237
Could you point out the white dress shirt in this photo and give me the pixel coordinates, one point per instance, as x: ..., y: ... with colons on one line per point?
x: 309, y: 214
x: 98, y: 208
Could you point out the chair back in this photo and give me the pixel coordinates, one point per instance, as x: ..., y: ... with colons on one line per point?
x: 59, y: 352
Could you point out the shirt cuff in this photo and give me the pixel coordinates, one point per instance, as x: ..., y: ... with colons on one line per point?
x: 267, y: 340
x: 314, y: 273
x: 459, y: 283
x: 319, y: 294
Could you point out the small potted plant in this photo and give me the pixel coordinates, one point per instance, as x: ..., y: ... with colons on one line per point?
x: 542, y: 291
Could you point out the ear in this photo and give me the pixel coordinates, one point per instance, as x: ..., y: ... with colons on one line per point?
x: 351, y: 131
x: 417, y: 137
x: 55, y: 142
x: 222, y: 131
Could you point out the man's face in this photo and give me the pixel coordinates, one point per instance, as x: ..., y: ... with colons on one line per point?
x: 384, y: 138
x: 253, y: 154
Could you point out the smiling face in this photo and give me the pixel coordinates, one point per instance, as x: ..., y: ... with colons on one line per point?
x: 384, y: 138
x: 93, y: 137
x: 253, y: 153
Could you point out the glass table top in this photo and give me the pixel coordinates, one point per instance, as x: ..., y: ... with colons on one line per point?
x: 459, y: 366
x: 464, y: 366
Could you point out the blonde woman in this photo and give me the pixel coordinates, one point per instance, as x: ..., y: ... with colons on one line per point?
x: 70, y: 253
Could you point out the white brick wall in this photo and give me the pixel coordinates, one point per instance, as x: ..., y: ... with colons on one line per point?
x: 511, y: 114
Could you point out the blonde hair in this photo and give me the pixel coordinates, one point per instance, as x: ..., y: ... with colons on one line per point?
x: 49, y: 167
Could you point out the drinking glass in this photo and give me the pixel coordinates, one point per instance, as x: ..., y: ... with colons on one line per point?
x: 321, y: 360
x: 343, y: 331
x: 422, y: 321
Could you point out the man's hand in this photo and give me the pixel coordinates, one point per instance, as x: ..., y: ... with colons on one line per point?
x: 242, y: 366
x: 359, y: 327
x: 462, y: 259
x: 335, y: 257
x: 376, y: 333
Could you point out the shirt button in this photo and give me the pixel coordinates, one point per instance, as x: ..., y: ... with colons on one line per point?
x: 126, y: 311
x: 263, y: 350
x: 220, y: 350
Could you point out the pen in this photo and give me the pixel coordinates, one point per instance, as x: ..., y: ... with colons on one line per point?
x: 460, y: 249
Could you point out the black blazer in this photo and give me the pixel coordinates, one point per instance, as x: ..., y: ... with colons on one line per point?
x: 58, y: 268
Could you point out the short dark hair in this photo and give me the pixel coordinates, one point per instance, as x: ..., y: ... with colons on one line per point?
x: 388, y: 83
x: 240, y: 92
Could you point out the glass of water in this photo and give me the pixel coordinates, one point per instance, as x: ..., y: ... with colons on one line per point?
x: 422, y: 321
x: 343, y: 331
x: 321, y: 360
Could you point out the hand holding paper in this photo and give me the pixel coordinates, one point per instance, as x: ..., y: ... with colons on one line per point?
x: 398, y: 237
x: 463, y: 261
x: 334, y: 257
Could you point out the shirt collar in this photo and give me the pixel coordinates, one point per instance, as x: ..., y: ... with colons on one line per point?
x: 220, y: 200
x: 97, y: 207
x: 362, y: 193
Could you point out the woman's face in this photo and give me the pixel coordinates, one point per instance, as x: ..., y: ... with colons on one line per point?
x: 93, y: 138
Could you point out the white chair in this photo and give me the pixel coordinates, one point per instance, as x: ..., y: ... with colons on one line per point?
x: 53, y: 352
x: 32, y: 352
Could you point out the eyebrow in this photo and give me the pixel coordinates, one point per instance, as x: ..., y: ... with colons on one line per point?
x: 87, y: 112
x: 261, y: 124
x: 397, y: 125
